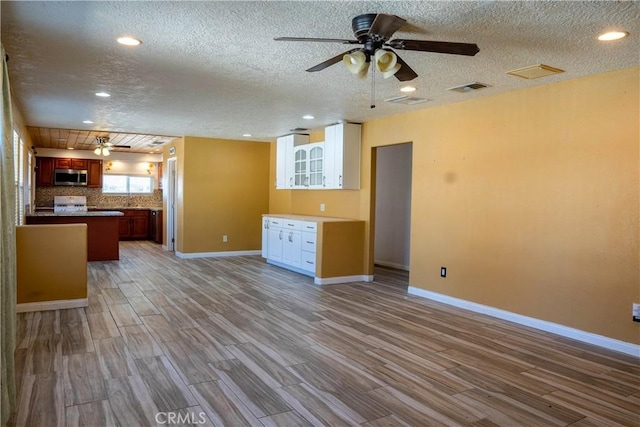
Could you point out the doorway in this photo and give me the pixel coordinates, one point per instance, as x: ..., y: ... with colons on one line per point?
x: 392, y: 234
x: 172, y: 220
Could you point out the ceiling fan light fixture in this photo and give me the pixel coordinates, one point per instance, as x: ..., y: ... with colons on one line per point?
x: 105, y: 151
x: 97, y: 151
x: 386, y: 62
x: 356, y: 63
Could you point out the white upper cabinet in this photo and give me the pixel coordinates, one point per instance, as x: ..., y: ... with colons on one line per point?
x: 342, y: 156
x: 285, y: 159
x: 308, y: 166
x: 332, y: 165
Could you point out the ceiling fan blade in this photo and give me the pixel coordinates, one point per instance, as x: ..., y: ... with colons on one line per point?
x: 330, y: 61
x: 469, y: 49
x: 385, y: 25
x: 311, y: 39
x: 405, y: 73
x: 120, y: 146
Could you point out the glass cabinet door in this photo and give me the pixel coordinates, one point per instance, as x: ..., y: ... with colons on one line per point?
x: 316, y: 166
x: 300, y: 171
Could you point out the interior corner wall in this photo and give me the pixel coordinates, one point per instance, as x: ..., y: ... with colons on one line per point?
x: 531, y: 200
x: 224, y: 190
x: 393, y: 206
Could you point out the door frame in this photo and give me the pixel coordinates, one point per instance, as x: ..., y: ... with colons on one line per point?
x: 172, y: 218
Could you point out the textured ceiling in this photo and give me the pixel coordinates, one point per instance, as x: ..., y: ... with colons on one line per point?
x: 213, y: 68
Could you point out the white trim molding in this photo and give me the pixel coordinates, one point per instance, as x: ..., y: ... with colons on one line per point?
x: 216, y: 254
x: 341, y: 279
x: 62, y: 304
x: 565, y: 331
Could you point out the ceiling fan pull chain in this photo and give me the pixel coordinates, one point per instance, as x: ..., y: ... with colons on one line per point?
x: 373, y: 87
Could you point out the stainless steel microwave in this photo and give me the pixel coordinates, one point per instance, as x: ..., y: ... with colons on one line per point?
x: 70, y: 177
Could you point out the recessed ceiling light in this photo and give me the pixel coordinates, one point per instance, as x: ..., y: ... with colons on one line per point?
x: 103, y: 94
x: 308, y: 117
x: 612, y: 35
x: 70, y: 148
x: 88, y: 122
x: 246, y: 135
x: 129, y: 41
x: 407, y: 89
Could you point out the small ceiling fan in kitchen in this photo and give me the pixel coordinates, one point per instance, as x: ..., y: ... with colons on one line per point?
x: 373, y: 31
x: 103, y: 146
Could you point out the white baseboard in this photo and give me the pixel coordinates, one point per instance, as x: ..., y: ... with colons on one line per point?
x: 216, y: 254
x: 392, y: 265
x: 51, y: 305
x: 342, y: 279
x: 565, y: 331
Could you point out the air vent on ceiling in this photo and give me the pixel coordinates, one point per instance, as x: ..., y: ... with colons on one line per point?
x: 469, y: 87
x: 158, y: 142
x: 535, y: 71
x: 406, y: 99
x: 299, y: 130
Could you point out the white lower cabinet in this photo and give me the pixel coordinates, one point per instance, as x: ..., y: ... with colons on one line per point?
x: 275, y: 241
x: 292, y: 242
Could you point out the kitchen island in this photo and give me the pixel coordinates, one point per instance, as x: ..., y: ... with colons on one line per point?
x: 102, y: 230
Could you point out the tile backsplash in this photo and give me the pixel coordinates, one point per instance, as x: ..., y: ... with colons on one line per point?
x: 95, y: 197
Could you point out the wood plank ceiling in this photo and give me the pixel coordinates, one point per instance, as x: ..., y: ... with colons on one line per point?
x: 86, y: 140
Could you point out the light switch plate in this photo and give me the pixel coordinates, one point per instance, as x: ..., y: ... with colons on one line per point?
x: 322, y: 207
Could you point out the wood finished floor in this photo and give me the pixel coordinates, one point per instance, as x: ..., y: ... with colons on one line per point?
x: 234, y: 341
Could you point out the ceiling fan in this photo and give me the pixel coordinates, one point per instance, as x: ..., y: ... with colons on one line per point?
x: 103, y: 146
x: 373, y: 31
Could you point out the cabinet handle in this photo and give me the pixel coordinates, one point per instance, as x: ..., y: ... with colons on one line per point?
x: 306, y: 181
x: 291, y: 182
x: 324, y: 181
x: 290, y: 225
x: 291, y: 237
x: 340, y: 181
x: 311, y: 243
x: 280, y: 235
x: 308, y: 262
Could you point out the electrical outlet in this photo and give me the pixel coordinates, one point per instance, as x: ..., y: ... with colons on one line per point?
x: 224, y: 239
x: 636, y: 312
x: 443, y: 271
x: 322, y: 207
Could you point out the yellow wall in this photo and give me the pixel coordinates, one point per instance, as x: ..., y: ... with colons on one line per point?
x: 529, y: 198
x: 222, y: 190
x: 51, y: 262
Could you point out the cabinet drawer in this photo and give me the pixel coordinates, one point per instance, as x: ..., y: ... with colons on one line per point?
x: 275, y: 222
x: 309, y: 242
x: 292, y: 224
x: 309, y: 226
x: 308, y: 261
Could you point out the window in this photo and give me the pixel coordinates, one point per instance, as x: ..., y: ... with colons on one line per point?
x: 127, y: 184
x: 18, y: 164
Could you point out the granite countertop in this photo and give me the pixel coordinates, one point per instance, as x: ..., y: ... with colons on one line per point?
x: 96, y: 213
x: 106, y: 208
x: 151, y: 208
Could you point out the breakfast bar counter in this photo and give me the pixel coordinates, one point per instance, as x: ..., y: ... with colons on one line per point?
x: 102, y: 230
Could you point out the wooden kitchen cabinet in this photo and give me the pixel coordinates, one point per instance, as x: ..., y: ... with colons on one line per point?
x: 71, y: 164
x: 44, y: 171
x: 134, y: 225
x: 94, y: 171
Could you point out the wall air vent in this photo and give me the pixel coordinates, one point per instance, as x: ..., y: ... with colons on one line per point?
x: 299, y: 130
x: 469, y: 87
x: 158, y: 142
x: 535, y: 71
x: 406, y: 99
